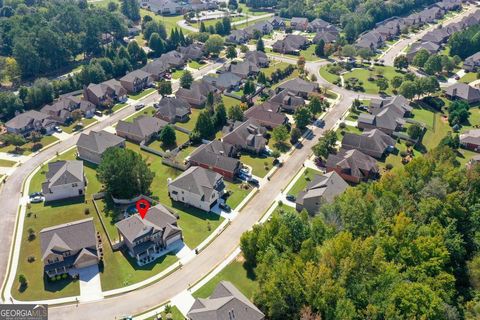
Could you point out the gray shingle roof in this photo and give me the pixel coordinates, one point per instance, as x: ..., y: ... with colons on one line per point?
x: 98, y: 142
x: 298, y: 85
x: 63, y: 172
x: 369, y: 142
x: 199, y: 181
x: 266, y: 113
x: 248, y: 134
x: 224, y: 300
x: 326, y: 186
x: 158, y: 218
x: 69, y: 236
x: 24, y: 119
x: 172, y: 107
x: 223, y: 81
x: 142, y: 126
x: 463, y: 91
x: 354, y: 161
x: 470, y: 137
x: 216, y: 154
x: 138, y: 74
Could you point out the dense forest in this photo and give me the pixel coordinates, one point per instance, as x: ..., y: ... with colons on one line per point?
x: 405, y: 247
x: 355, y: 16
x: 43, y: 37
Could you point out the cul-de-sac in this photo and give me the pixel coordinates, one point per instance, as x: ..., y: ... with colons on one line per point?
x: 240, y: 159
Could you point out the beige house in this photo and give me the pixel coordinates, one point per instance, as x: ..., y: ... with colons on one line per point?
x: 65, y: 179
x: 68, y: 247
x: 197, y: 187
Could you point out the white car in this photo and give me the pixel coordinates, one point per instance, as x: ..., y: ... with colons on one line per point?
x: 37, y: 199
x: 58, y: 129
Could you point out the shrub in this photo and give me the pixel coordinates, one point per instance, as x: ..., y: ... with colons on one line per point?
x: 403, y: 154
x: 389, y: 166
x: 86, y: 211
x: 342, y: 125
x: 31, y: 259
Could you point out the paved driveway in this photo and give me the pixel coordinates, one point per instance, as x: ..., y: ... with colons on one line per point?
x: 90, y: 285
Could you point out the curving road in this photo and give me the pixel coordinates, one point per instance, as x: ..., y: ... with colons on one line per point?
x: 148, y: 297
x: 10, y: 194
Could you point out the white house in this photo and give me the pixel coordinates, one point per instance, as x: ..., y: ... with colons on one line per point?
x: 65, y: 179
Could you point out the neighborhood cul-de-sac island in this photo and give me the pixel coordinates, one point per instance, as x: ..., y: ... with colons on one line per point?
x: 300, y: 161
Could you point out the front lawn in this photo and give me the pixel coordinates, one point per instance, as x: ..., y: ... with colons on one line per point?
x: 27, y: 148
x: 309, y: 54
x: 6, y: 163
x: 78, y: 125
x: 148, y: 111
x: 363, y: 75
x: 196, y: 65
x: 468, y: 77
x: 261, y: 165
x: 175, y: 313
x: 170, y: 22
x: 239, y: 191
x: 141, y: 94
x: 330, y: 77
x: 236, y: 272
x: 177, y: 74
x: 303, y: 181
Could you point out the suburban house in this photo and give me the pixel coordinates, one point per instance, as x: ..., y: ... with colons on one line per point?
x: 431, y: 47
x: 226, y: 302
x: 147, y: 238
x: 243, y: 69
x: 246, y: 135
x: 471, y: 140
x: 61, y: 109
x: 370, y: 40
x: 194, y: 51
x: 136, y: 81
x: 217, y: 156
x: 196, y: 96
x: 385, y: 114
x: 320, y: 190
x: 318, y: 25
x: 163, y: 7
x: 374, y: 143
x: 299, y: 87
x: 259, y: 58
x: 68, y: 247
x: 472, y: 63
x: 173, y: 110
x: 277, y: 22
x: 106, y: 93
x: 463, y: 92
x: 263, y: 27
x: 326, y: 36
x: 197, y: 187
x: 475, y: 160
x: 299, y: 23
x: 287, y: 101
x: 352, y: 165
x: 64, y: 179
x: 173, y: 59
x: 158, y: 68
x: 227, y: 81
x: 238, y: 36
x: 291, y: 44
x: 29, y: 121
x: 91, y: 146
x: 268, y: 115
x: 438, y: 36
x: 142, y: 129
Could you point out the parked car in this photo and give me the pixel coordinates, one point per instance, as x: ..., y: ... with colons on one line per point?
x: 243, y: 177
x: 245, y: 172
x: 37, y: 199
x: 457, y: 77
x: 291, y: 197
x: 139, y: 106
x: 225, y: 207
x: 253, y: 181
x: 57, y: 129
x: 35, y: 194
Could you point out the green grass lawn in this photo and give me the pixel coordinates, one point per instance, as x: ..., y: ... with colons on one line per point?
x: 370, y: 86
x: 170, y: 22
x: 251, y: 11
x: 250, y: 22
x: 347, y: 129
x: 158, y: 145
x: 260, y: 165
x: 196, y: 224
x: 190, y: 124
x: 148, y: 111
x: 230, y: 102
x: 394, y: 158
x: 474, y: 119
x: 437, y: 128
x: 196, y: 65
x: 309, y: 54
x: 302, y: 182
x: 78, y: 125
x: 236, y: 272
x: 274, y: 65
x: 176, y: 315
x: 42, y: 215
x: 468, y: 77
x: 141, y: 94
x: 177, y: 74
x: 290, y: 77
x: 6, y: 163
x: 118, y: 106
x: 213, y: 22
x: 239, y: 192
x: 330, y: 77
x: 26, y: 149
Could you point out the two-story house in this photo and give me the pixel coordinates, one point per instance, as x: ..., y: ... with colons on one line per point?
x: 64, y: 179
x: 68, y: 247
x: 136, y: 81
x: 105, y: 94
x: 91, y: 146
x: 197, y: 187
x: 29, y: 121
x: 151, y: 236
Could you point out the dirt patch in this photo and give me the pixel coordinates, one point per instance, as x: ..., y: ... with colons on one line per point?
x: 444, y: 119
x: 240, y: 258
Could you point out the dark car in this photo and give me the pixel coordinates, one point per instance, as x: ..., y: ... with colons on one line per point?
x: 139, y: 106
x: 291, y: 197
x: 225, y: 207
x: 253, y: 181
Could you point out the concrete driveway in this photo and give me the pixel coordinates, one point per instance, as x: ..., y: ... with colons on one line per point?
x: 90, y: 284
